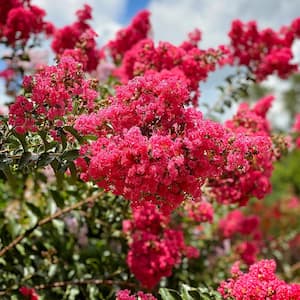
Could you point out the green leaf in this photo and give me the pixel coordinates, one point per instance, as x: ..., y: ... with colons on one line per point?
x: 4, y: 161
x: 227, y: 103
x: 45, y: 159
x: 21, y: 249
x: 34, y: 209
x: 74, y: 132
x: 25, y: 159
x: 55, y: 164
x: 196, y: 295
x: 43, y: 135
x: 90, y: 137
x: 22, y: 140
x: 64, y: 142
x: 70, y: 155
x: 72, y: 168
x: 59, y: 200
x: 9, y: 175
x: 208, y: 293
x: 184, y: 291
x: 168, y: 294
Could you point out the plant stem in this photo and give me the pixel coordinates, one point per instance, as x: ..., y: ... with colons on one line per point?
x: 48, y: 219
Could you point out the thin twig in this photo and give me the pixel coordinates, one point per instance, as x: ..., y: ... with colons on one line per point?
x: 57, y: 284
x: 46, y: 220
x: 84, y: 282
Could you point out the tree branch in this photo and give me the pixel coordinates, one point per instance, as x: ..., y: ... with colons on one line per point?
x: 84, y: 282
x: 48, y: 219
x: 56, y: 284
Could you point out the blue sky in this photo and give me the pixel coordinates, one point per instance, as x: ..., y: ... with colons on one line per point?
x: 132, y: 7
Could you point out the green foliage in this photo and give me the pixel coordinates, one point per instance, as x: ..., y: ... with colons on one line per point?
x: 189, y: 293
x: 286, y: 176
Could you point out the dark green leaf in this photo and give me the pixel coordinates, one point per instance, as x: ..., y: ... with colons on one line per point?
x: 25, y: 159
x: 74, y: 132
x: 45, y: 159
x: 72, y: 168
x: 168, y: 294
x: 59, y: 200
x: 70, y: 155
x: 34, y: 209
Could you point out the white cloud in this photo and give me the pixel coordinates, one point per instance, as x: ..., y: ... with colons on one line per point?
x: 172, y: 20
x: 105, y: 14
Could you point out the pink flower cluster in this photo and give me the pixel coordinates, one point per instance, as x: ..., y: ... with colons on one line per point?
x: 125, y: 295
x: 296, y: 128
x: 19, y: 20
x: 50, y: 97
x: 236, y: 223
x: 150, y: 148
x: 259, y: 283
x: 250, y: 156
x: 79, y: 39
x: 265, y: 52
x: 126, y: 38
x: 29, y: 293
x: 200, y: 211
x: 193, y: 62
x: 155, y: 249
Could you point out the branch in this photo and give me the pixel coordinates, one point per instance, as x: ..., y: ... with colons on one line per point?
x: 48, y: 219
x: 56, y: 284
x: 84, y: 282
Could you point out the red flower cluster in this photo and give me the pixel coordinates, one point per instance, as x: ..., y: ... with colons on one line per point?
x: 194, y: 38
x: 236, y: 223
x: 19, y: 20
x: 154, y: 249
x: 29, y: 293
x: 135, y: 53
x: 259, y: 283
x: 248, y: 251
x: 51, y: 94
x: 295, y: 27
x: 193, y: 62
x: 79, y: 39
x: 200, y: 211
x: 125, y: 295
x: 150, y: 148
x: 126, y: 38
x: 265, y: 52
x: 250, y: 159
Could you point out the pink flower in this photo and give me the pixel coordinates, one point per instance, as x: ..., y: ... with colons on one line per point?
x: 52, y: 90
x: 125, y: 295
x: 78, y: 40
x: 150, y: 147
x: 126, y: 38
x: 259, y: 283
x: 29, y: 293
x: 155, y: 248
x: 200, y: 211
x: 265, y: 52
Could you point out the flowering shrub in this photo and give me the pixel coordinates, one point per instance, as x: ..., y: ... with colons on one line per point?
x: 155, y: 248
x: 114, y: 184
x: 259, y: 283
